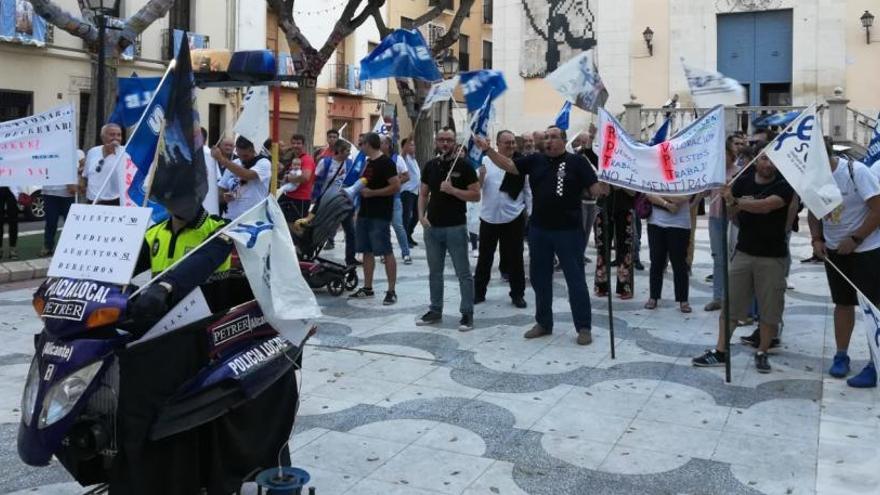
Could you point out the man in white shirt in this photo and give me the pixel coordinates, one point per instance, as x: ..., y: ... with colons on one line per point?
x: 246, y: 179
x: 502, y: 222
x: 102, y: 162
x: 849, y: 238
x: 409, y: 192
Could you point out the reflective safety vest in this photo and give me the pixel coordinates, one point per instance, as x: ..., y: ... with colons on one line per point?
x: 167, y: 247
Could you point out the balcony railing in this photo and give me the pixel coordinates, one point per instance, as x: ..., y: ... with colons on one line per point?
x: 346, y: 77
x: 652, y: 118
x: 860, y: 126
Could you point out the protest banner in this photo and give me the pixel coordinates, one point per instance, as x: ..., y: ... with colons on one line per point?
x: 690, y: 162
x: 800, y: 156
x: 100, y: 243
x: 39, y: 150
x: 192, y: 308
x: 579, y: 82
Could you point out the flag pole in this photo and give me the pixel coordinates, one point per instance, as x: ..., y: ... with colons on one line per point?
x: 607, y: 235
x: 155, y: 163
x: 471, y: 129
x: 276, y: 124
x: 725, y: 271
x: 137, y: 126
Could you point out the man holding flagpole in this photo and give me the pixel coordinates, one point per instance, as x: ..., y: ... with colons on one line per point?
x: 849, y: 238
x: 558, y: 180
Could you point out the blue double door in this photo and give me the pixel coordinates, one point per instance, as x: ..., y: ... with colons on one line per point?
x: 755, y: 48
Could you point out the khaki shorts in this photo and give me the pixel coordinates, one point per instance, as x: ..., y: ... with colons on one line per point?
x: 757, y: 277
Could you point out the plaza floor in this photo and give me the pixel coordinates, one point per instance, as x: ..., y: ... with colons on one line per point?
x: 391, y: 408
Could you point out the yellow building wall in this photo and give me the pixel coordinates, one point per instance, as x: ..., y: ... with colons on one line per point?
x: 649, y: 80
x: 862, y: 59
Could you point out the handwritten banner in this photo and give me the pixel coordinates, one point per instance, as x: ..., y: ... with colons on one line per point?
x: 192, y: 308
x: 100, y: 243
x: 39, y: 150
x: 691, y: 162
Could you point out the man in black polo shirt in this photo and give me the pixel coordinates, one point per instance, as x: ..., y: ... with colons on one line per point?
x: 558, y: 180
x: 758, y: 201
x: 374, y: 218
x: 442, y: 211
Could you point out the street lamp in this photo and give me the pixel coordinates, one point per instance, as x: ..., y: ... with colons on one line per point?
x: 648, y: 35
x: 449, y: 64
x: 867, y: 21
x: 102, y: 9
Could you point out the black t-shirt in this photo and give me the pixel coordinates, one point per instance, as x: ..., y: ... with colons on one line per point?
x: 445, y: 210
x: 763, y: 234
x: 377, y: 173
x: 557, y: 186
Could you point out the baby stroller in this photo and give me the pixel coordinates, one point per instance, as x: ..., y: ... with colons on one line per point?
x: 311, y: 233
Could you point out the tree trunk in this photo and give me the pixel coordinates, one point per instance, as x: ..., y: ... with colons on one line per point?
x: 424, y: 137
x: 111, y: 66
x: 308, y: 109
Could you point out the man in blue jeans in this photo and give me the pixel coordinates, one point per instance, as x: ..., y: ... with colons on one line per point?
x: 448, y: 182
x: 558, y: 180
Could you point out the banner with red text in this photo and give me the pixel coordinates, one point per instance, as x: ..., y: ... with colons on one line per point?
x: 692, y: 161
x: 39, y: 150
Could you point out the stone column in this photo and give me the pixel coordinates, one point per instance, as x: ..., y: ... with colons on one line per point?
x: 836, y: 116
x: 632, y: 118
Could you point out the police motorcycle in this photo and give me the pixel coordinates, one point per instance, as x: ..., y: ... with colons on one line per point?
x: 206, y: 405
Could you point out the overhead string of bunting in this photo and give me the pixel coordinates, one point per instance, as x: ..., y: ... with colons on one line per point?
x: 321, y: 12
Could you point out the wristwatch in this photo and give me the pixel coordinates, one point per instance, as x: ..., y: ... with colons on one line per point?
x: 856, y: 239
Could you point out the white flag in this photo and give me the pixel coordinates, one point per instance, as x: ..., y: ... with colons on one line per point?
x: 713, y: 88
x: 872, y: 326
x: 800, y: 156
x: 266, y: 250
x: 253, y: 123
x: 579, y: 82
x: 440, y: 91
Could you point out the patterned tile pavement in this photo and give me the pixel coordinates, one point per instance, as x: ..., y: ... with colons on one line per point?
x: 391, y: 408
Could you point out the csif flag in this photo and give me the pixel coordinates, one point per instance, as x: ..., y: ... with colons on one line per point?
x: 180, y: 176
x: 265, y: 248
x: 439, y: 92
x: 713, y: 88
x: 479, y: 84
x: 253, y: 123
x: 403, y: 53
x: 660, y: 135
x: 872, y: 325
x: 479, y: 126
x: 134, y: 95
x: 800, y: 156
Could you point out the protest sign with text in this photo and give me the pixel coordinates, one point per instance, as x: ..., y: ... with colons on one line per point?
x: 100, y: 243
x: 692, y: 161
x: 39, y: 150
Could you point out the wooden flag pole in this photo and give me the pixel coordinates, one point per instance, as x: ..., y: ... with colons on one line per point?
x: 607, y: 235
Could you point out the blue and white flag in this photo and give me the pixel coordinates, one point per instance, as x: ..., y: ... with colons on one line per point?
x: 479, y: 126
x: 479, y: 84
x: 142, y: 150
x: 660, y: 135
x: 564, y: 117
x: 134, y: 95
x: 265, y: 248
x: 441, y: 91
x: 579, y: 82
x: 873, y: 154
x: 402, y: 53
x: 872, y: 326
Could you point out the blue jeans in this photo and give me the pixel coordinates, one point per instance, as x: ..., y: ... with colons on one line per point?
x: 55, y: 207
x: 568, y: 246
x: 399, y: 230
x: 439, y: 241
x: 716, y: 230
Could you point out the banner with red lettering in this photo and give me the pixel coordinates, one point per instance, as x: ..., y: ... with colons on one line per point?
x: 690, y: 162
x: 39, y: 150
